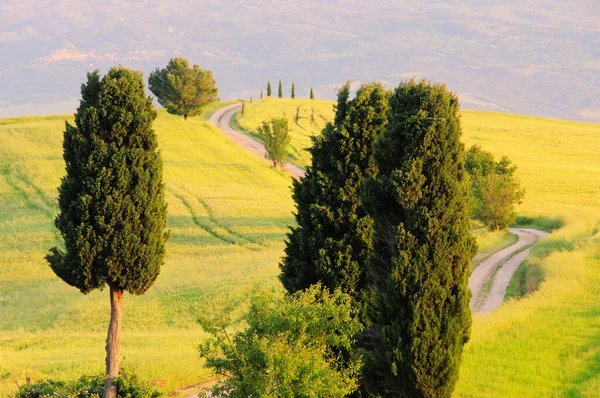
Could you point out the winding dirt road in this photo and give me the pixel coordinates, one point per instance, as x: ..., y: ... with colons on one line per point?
x: 222, y: 118
x: 500, y: 266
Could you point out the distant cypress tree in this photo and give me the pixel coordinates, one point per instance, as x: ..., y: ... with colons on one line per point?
x: 261, y: 94
x: 113, y: 213
x: 312, y: 94
x: 293, y: 90
x: 280, y: 90
x: 422, y: 247
x: 268, y: 89
x: 332, y: 240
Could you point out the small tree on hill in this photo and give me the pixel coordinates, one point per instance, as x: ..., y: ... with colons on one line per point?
x: 261, y: 94
x: 268, y: 89
x: 183, y: 90
x: 332, y: 239
x: 280, y: 90
x: 494, y: 189
x: 312, y: 94
x: 422, y: 247
x: 274, y: 134
x: 113, y: 213
x: 293, y: 90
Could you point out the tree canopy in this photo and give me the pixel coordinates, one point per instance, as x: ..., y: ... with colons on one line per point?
x: 275, y: 135
x: 112, y: 205
x: 422, y: 247
x: 495, y: 190
x: 332, y: 239
x: 183, y: 90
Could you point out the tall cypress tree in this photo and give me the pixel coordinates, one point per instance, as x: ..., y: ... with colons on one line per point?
x: 112, y: 205
x: 293, y: 90
x: 312, y: 94
x: 261, y: 95
x: 280, y: 90
x: 422, y: 247
x: 332, y: 240
x: 268, y: 89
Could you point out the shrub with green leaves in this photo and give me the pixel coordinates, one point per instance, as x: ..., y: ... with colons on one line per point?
x: 295, y: 346
x: 129, y: 385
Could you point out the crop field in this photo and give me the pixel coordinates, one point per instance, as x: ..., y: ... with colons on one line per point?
x: 228, y: 215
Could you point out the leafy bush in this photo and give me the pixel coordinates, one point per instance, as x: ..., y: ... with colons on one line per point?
x: 495, y: 190
x: 128, y: 385
x: 295, y: 346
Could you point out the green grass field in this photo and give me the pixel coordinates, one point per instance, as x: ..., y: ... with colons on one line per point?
x: 228, y: 215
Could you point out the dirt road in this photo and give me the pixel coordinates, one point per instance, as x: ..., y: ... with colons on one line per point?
x: 505, y: 261
x: 221, y: 119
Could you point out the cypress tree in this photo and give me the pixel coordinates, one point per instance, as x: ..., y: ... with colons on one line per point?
x: 261, y: 95
x: 280, y: 90
x: 112, y: 205
x: 268, y: 89
x: 422, y: 247
x: 332, y: 239
x: 312, y: 94
x: 293, y: 90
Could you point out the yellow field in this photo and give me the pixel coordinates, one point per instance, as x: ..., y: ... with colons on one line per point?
x: 228, y: 215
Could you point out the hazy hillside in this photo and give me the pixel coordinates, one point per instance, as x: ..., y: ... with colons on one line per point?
x: 533, y: 57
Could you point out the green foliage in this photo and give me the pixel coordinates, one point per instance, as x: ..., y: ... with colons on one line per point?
x: 243, y: 106
x: 274, y: 134
x: 268, y: 89
x: 495, y: 190
x: 547, y: 224
x: 312, y: 94
x: 129, y: 385
x: 280, y: 90
x: 112, y: 205
x: 183, y: 90
x: 294, y: 346
x: 422, y: 247
x: 332, y: 240
x: 293, y: 90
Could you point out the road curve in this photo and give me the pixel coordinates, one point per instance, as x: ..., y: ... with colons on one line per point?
x: 507, y: 259
x: 222, y: 118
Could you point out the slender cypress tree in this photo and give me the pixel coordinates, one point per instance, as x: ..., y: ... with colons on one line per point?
x: 112, y: 205
x: 261, y: 95
x: 268, y: 89
x: 312, y: 94
x: 280, y: 90
x: 422, y: 247
x: 293, y: 90
x: 333, y: 237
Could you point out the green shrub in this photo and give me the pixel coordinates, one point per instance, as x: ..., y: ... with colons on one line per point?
x: 129, y: 385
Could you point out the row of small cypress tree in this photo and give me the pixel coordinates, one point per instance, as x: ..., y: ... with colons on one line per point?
x: 280, y: 91
x: 382, y: 215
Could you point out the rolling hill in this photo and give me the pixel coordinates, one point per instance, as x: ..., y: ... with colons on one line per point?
x: 228, y: 215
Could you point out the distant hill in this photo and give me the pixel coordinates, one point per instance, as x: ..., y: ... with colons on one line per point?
x: 537, y: 57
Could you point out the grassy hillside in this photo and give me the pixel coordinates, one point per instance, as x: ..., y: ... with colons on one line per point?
x: 311, y: 118
x: 228, y: 214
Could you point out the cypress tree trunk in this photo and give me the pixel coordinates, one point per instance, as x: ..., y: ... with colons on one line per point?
x: 185, y: 116
x: 113, y: 341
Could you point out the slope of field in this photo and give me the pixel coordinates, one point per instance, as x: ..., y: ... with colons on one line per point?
x: 305, y: 119
x: 228, y: 213
x: 549, y: 343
